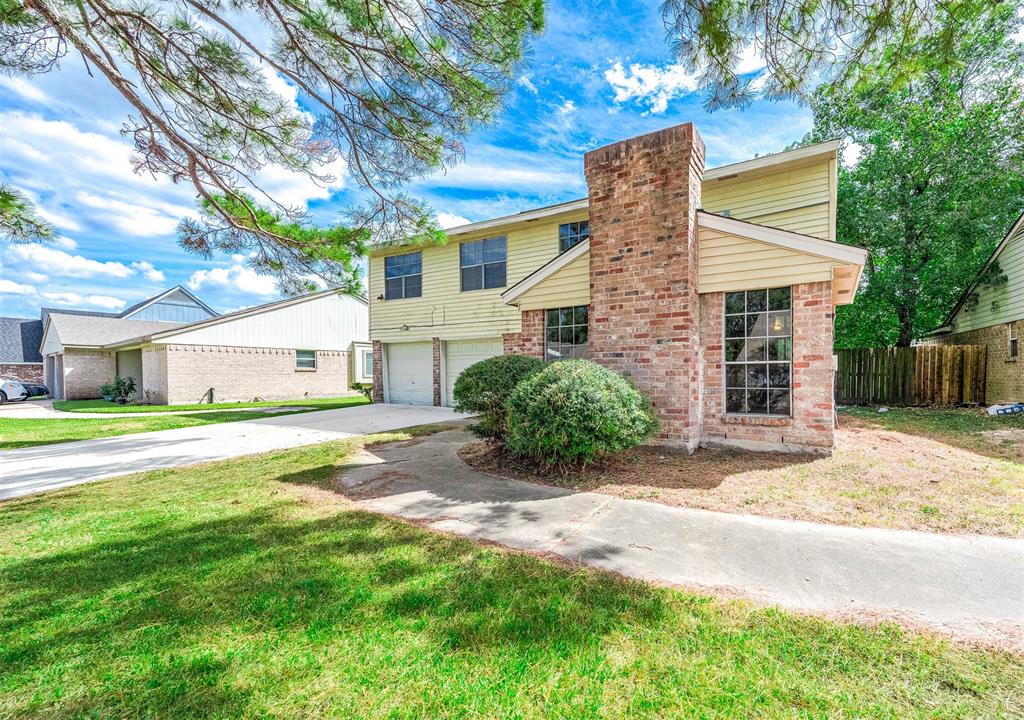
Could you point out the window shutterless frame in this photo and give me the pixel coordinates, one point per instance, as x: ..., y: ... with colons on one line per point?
x: 367, y: 363
x: 482, y: 264
x: 758, y: 352
x: 572, y: 234
x: 305, y: 359
x: 403, y: 276
x: 1014, y: 345
x: 566, y: 333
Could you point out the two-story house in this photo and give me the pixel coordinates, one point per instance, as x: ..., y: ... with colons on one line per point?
x: 713, y: 290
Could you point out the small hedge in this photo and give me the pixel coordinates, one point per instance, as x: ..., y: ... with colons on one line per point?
x: 484, y: 388
x: 573, y: 412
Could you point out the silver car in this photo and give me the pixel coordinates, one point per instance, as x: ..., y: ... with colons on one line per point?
x: 12, y: 390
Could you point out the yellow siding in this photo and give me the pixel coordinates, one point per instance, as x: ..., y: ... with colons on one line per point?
x: 570, y: 286
x: 444, y: 311
x: 730, y: 262
x: 1008, y: 297
x: 799, y: 199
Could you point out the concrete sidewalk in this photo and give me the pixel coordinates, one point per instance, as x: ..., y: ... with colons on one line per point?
x: 48, y: 467
x: 971, y: 586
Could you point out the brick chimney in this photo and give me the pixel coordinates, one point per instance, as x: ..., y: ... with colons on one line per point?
x: 644, y: 195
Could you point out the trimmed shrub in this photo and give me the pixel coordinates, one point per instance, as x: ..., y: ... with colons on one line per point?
x: 484, y: 387
x: 573, y: 412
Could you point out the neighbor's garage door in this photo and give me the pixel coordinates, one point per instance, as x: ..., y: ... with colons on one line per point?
x: 460, y: 354
x: 411, y: 373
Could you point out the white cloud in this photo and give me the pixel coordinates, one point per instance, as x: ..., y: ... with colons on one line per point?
x: 58, y: 262
x: 24, y: 88
x: 526, y: 82
x: 69, y: 298
x: 450, y: 220
x: 567, y: 108
x: 9, y: 287
x: 851, y: 154
x: 751, y: 60
x: 489, y: 167
x: 64, y: 242
x: 650, y: 85
x: 236, y: 277
x: 148, y: 271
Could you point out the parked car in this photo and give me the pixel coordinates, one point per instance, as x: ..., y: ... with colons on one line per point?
x: 12, y: 390
x: 37, y: 390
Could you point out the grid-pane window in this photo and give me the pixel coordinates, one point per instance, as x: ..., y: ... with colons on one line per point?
x: 482, y: 264
x: 305, y: 359
x: 565, y: 333
x: 572, y: 233
x: 1014, y: 345
x: 759, y: 351
x: 403, y: 276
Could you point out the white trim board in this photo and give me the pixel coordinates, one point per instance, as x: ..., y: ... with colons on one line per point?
x: 544, y: 272
x: 783, y: 238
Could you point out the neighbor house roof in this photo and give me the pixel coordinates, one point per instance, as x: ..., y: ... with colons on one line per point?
x: 723, y: 172
x: 93, y: 332
x: 947, y: 326
x: 156, y: 298
x: 20, y: 339
x: 163, y: 331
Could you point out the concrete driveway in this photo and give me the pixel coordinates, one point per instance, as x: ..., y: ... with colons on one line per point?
x: 48, y: 467
x: 970, y: 586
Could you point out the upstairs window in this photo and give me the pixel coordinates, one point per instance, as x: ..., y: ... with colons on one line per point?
x: 403, y: 276
x: 758, y: 351
x: 1014, y: 347
x: 482, y: 264
x: 573, y: 233
x: 305, y: 359
x: 565, y: 333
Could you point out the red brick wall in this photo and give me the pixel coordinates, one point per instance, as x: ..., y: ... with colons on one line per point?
x: 1004, y: 375
x: 437, y: 372
x: 812, y: 423
x: 378, y: 371
x: 531, y: 340
x: 644, y: 193
x: 30, y: 373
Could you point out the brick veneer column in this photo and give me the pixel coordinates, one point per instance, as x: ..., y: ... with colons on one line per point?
x: 530, y: 340
x: 437, y: 372
x: 378, y: 371
x: 644, y: 194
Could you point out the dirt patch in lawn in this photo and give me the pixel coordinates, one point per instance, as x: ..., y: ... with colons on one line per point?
x: 874, y: 478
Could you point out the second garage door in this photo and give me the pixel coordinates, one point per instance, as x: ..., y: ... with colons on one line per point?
x: 460, y: 354
x: 411, y: 373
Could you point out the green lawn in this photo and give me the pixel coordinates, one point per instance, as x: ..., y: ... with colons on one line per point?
x: 102, y: 406
x: 17, y: 432
x: 249, y: 588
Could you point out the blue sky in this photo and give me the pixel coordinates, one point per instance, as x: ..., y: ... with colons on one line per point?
x: 601, y: 72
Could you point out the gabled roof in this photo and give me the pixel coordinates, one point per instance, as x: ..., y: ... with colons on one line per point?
x: 828, y: 249
x: 1017, y: 227
x: 545, y: 271
x: 20, y: 339
x: 162, y: 331
x: 138, y: 307
x: 91, y: 331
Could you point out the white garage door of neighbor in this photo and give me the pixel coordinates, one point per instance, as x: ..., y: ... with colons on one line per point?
x: 460, y: 354
x: 411, y: 373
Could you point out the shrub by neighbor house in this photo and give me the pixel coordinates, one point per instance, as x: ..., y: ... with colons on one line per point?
x: 484, y: 388
x: 575, y: 411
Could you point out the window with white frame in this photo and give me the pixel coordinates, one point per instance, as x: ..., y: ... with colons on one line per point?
x: 566, y: 333
x: 368, y: 363
x: 1014, y: 346
x: 482, y: 264
x: 403, y: 276
x: 759, y: 352
x: 305, y: 359
x: 571, y: 234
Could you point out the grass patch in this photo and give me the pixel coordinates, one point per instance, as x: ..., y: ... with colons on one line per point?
x: 247, y: 588
x: 102, y: 406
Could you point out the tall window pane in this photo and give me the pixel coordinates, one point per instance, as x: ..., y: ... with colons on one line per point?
x: 758, y: 351
x: 566, y: 333
x: 482, y: 264
x: 403, y: 276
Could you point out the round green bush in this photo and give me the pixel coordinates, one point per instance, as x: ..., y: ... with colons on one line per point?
x: 574, y: 411
x: 484, y: 387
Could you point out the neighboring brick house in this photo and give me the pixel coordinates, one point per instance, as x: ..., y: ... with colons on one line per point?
x: 992, y: 314
x: 19, y: 350
x: 712, y: 290
x: 179, y: 350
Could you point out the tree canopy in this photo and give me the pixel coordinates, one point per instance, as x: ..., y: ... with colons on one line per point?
x: 807, y: 43
x: 390, y: 86
x: 19, y: 220
x: 939, y: 180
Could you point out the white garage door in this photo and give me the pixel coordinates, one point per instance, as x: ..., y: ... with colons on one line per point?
x: 460, y: 354
x: 411, y: 373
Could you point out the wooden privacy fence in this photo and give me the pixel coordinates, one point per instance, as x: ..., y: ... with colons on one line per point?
x: 921, y: 375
